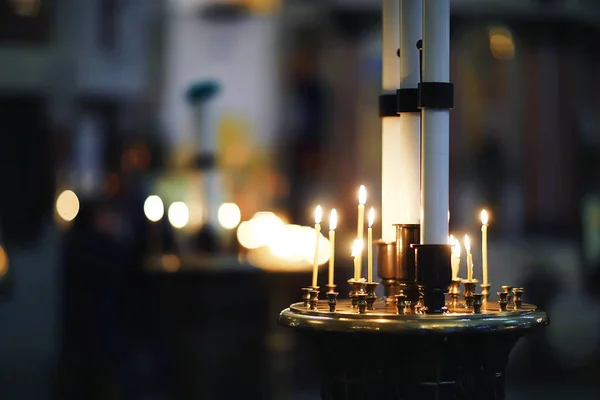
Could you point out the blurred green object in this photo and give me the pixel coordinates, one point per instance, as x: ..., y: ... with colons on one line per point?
x: 202, y: 91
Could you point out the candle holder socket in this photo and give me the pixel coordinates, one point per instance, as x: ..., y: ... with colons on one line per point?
x: 356, y: 287
x: 330, y: 288
x: 485, y: 291
x: 469, y: 291
x: 503, y: 302
x: 332, y: 300
x: 477, y: 302
x: 386, y: 269
x: 314, y: 297
x: 362, y: 302
x: 454, y: 292
x: 402, y: 304
x: 518, y: 297
x: 371, y: 296
x: 508, y: 291
x: 434, y: 275
x: 306, y: 296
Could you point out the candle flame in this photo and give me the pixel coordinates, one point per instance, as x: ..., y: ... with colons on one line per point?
x: 451, y: 239
x: 371, y: 217
x: 318, y: 214
x: 467, y: 244
x: 484, y: 217
x: 362, y: 195
x: 357, y: 247
x: 332, y: 220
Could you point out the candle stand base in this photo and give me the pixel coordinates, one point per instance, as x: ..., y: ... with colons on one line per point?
x: 457, y: 355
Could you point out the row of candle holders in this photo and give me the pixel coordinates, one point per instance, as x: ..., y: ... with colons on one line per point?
x: 509, y: 295
x: 363, y: 297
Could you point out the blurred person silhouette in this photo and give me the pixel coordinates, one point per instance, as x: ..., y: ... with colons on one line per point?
x: 94, y: 350
x: 145, y: 240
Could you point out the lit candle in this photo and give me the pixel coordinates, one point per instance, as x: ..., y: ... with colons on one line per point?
x: 484, y: 250
x: 332, y: 226
x: 455, y: 256
x: 357, y: 248
x: 370, y: 245
x: 469, y: 258
x: 318, y: 216
x: 362, y: 200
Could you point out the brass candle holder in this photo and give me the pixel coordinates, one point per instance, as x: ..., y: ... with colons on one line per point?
x: 332, y: 300
x: 508, y: 290
x: 330, y: 288
x: 518, y: 298
x: 314, y: 297
x: 371, y: 296
x: 306, y: 296
x: 477, y: 302
x: 503, y: 302
x: 469, y: 291
x: 454, y: 292
x: 402, y: 304
x: 362, y: 302
x: 387, y: 270
x: 485, y: 291
x: 356, y: 287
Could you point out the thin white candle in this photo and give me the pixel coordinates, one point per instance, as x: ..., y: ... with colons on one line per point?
x: 362, y: 200
x: 469, y: 258
x: 484, y: 249
x: 370, y: 245
x: 332, y: 226
x: 357, y: 248
x: 318, y: 216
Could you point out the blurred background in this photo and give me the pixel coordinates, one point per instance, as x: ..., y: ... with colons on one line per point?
x: 162, y: 159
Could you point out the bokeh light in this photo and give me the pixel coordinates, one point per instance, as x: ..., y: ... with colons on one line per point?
x: 154, y: 208
x: 178, y: 214
x: 229, y: 215
x: 3, y: 262
x: 260, y: 230
x: 67, y: 205
x: 502, y: 44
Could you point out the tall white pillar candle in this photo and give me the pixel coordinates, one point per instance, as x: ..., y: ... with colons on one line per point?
x: 391, y: 170
x: 411, y: 30
x: 435, y: 125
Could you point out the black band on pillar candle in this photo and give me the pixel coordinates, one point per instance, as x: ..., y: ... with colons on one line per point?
x: 434, y: 274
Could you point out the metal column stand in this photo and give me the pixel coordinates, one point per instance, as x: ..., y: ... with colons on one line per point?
x: 382, y: 355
